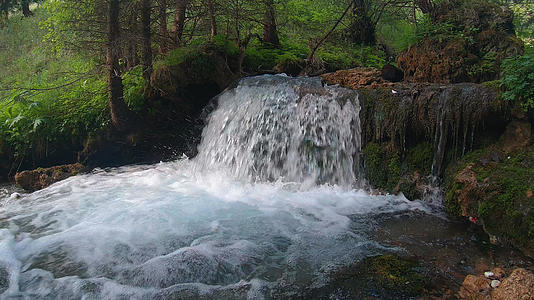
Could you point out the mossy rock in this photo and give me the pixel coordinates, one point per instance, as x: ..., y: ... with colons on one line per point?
x: 382, y: 167
x: 385, y: 276
x: 497, y: 188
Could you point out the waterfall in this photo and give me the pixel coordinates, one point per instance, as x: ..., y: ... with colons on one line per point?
x: 228, y: 224
x: 277, y: 127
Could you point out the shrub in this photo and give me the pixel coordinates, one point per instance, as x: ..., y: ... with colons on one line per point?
x: 518, y: 80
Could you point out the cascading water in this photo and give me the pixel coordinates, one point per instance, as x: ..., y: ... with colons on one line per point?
x: 274, y: 127
x: 222, y: 225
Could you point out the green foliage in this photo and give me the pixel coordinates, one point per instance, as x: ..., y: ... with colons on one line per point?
x: 426, y: 28
x: 397, y: 34
x: 225, y: 45
x: 518, y: 80
x: 50, y: 100
x: 133, y: 88
x: 344, y: 56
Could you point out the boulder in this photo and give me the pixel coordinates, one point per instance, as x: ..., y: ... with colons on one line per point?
x: 475, y: 288
x: 494, y: 186
x: 392, y: 73
x: 519, y: 285
x: 41, y: 178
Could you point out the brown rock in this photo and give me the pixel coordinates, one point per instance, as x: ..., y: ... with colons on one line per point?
x: 392, y: 73
x: 40, y: 178
x: 517, y: 135
x: 498, y: 273
x: 475, y: 288
x: 468, y: 196
x: 519, y: 285
x: 357, y: 78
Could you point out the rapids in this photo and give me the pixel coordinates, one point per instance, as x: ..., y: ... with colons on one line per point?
x: 271, y: 203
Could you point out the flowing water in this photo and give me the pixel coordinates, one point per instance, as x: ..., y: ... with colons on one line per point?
x: 270, y: 204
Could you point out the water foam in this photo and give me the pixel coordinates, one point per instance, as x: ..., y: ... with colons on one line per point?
x: 273, y: 127
x: 211, y: 227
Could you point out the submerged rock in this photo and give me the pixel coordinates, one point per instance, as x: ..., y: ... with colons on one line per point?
x: 40, y: 178
x: 4, y: 280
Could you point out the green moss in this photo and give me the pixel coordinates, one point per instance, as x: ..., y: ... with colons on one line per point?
x: 506, y: 210
x: 394, y: 273
x: 374, y: 169
x: 419, y: 158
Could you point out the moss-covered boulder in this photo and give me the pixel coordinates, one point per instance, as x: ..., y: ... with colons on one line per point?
x: 40, y: 178
x: 494, y: 186
x: 384, y: 276
x: 465, y: 42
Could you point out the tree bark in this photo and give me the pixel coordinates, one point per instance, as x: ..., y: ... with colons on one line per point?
x: 163, y: 30
x: 132, y: 58
x: 120, y: 115
x: 147, y: 43
x: 179, y: 22
x: 428, y: 7
x: 362, y: 28
x: 4, y: 13
x: 26, y: 8
x: 213, y: 19
x: 270, y: 32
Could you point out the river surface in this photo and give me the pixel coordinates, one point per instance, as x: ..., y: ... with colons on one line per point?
x: 271, y: 207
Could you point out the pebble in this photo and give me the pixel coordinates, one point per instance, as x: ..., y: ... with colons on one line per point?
x: 495, y: 283
x: 488, y: 274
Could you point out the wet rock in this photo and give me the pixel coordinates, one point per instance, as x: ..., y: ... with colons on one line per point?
x: 392, y: 73
x: 40, y: 178
x: 4, y: 280
x: 475, y: 288
x: 495, y: 186
x: 519, y: 285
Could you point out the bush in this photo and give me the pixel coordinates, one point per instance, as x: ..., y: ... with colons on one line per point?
x: 518, y: 80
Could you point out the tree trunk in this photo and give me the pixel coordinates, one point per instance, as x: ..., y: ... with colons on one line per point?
x: 179, y: 22
x: 213, y: 19
x: 270, y: 33
x: 362, y: 28
x: 147, y: 43
x: 132, y: 58
x: 414, y: 14
x: 163, y: 30
x: 120, y: 115
x: 26, y: 8
x: 4, y: 13
x: 428, y: 7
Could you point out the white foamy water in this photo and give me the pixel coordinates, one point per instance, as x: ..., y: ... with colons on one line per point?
x: 285, y: 128
x: 229, y: 224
